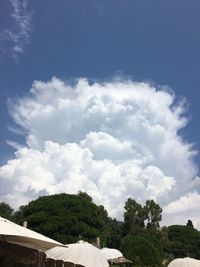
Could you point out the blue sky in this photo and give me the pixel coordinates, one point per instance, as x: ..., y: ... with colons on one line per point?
x: 156, y: 42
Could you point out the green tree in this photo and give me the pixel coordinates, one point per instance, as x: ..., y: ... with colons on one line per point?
x: 183, y: 241
x: 116, y: 229
x: 133, y: 217
x: 189, y: 224
x: 6, y: 211
x: 84, y: 195
x: 141, y: 251
x: 68, y: 218
x: 153, y: 214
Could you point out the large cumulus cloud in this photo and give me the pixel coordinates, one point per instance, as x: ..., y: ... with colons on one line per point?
x: 113, y: 140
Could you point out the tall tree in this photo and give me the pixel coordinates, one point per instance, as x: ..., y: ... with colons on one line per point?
x: 133, y: 217
x: 153, y: 214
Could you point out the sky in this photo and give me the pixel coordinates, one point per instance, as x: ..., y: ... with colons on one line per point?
x: 101, y: 97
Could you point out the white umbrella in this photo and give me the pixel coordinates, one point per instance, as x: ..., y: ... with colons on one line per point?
x: 185, y: 262
x: 81, y: 253
x: 114, y: 256
x: 111, y: 253
x: 14, y: 233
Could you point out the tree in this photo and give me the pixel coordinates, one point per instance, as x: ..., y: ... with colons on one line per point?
x: 67, y: 218
x: 133, y: 217
x: 153, y: 214
x: 6, y: 211
x: 183, y: 241
x: 189, y: 224
x: 84, y: 195
x: 141, y: 251
x: 116, y: 228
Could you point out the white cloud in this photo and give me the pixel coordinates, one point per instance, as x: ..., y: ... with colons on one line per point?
x: 104, y: 146
x: 15, y: 39
x: 185, y: 208
x: 113, y: 140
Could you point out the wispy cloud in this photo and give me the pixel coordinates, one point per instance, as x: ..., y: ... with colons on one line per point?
x: 16, y: 38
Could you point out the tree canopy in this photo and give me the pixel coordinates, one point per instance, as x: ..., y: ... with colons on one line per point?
x: 184, y: 241
x: 67, y: 217
x: 141, y: 250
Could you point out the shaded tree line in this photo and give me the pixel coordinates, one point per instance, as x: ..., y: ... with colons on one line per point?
x: 68, y: 218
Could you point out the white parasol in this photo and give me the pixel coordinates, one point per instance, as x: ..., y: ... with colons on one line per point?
x: 184, y: 262
x: 111, y: 253
x: 14, y: 233
x: 81, y: 253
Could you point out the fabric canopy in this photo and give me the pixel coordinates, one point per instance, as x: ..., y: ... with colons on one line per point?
x: 114, y: 256
x: 111, y: 253
x: 17, y: 234
x: 81, y: 253
x: 185, y: 262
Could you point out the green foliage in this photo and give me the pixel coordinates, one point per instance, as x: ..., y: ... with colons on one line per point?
x: 133, y: 217
x: 189, y: 224
x: 68, y: 218
x: 116, y: 229
x: 153, y: 214
x: 142, y: 233
x: 84, y: 195
x: 6, y: 211
x: 183, y: 241
x: 141, y: 250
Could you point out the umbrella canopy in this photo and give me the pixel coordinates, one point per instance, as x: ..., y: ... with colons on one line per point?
x: 185, y: 262
x: 17, y: 234
x: 81, y: 253
x: 111, y: 253
x: 114, y: 256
